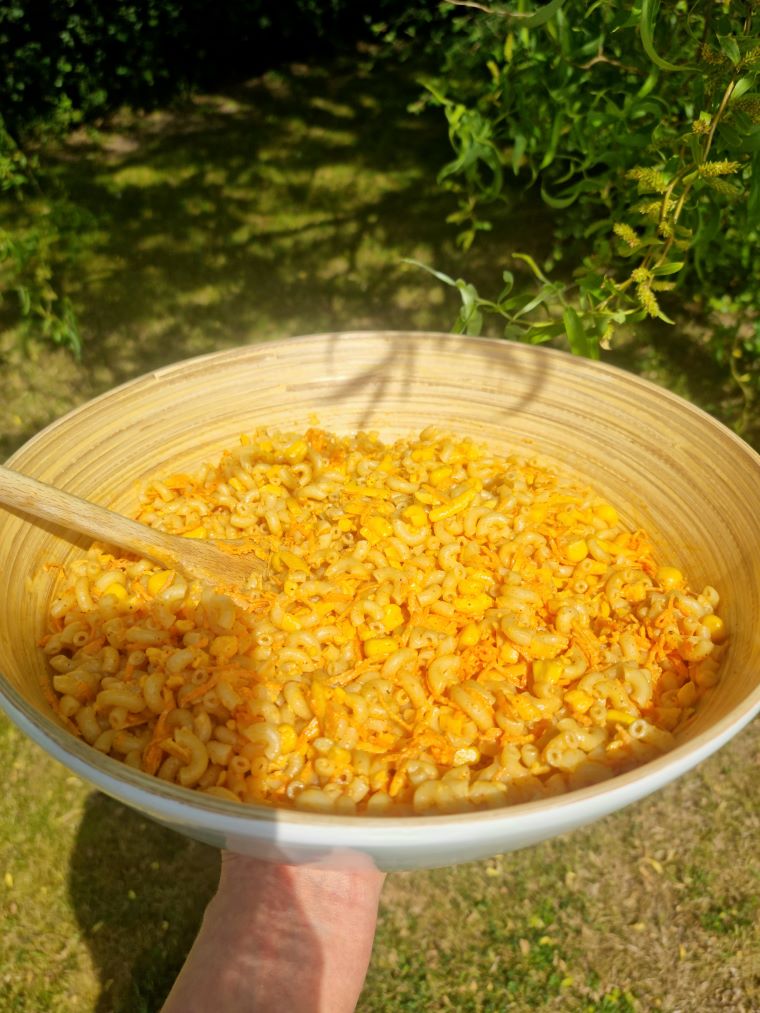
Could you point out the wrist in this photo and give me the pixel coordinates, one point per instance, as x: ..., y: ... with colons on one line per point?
x: 280, y: 937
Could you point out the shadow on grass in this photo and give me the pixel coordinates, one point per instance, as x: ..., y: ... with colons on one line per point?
x: 139, y: 892
x: 284, y: 206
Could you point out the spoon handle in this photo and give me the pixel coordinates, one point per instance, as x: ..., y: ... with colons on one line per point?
x: 65, y: 510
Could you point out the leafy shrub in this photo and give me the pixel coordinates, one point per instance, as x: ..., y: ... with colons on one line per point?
x: 65, y: 61
x: 640, y: 125
x: 41, y: 235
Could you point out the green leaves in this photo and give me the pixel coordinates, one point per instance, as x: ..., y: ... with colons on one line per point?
x: 31, y: 252
x: 646, y: 30
x: 470, y: 318
x: 649, y: 161
x: 543, y: 14
x: 472, y: 139
x: 579, y: 341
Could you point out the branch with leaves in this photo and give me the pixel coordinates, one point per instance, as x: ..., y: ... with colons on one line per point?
x: 654, y: 164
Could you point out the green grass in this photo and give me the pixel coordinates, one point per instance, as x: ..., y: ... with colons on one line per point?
x: 651, y: 908
x: 283, y: 208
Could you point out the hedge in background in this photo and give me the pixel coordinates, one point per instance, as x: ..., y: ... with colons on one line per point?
x: 64, y: 61
x: 639, y: 125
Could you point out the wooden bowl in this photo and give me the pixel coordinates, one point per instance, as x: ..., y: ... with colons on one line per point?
x: 665, y: 464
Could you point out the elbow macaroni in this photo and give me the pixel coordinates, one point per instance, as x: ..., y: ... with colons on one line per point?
x: 442, y: 628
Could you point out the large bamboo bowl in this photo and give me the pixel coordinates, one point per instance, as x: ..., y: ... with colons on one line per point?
x: 667, y: 466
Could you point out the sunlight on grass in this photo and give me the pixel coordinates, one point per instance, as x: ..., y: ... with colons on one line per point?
x: 44, y: 963
x: 140, y: 176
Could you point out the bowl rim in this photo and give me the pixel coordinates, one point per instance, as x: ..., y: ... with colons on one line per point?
x: 378, y: 832
x: 238, y: 351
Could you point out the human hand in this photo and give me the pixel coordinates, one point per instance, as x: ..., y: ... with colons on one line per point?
x: 281, y: 938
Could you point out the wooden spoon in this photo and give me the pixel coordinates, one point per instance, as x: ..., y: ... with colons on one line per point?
x: 228, y: 569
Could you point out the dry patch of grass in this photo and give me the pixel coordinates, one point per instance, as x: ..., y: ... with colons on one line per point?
x: 654, y: 908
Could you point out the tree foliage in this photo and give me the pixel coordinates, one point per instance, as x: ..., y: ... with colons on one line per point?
x: 65, y: 61
x: 640, y: 125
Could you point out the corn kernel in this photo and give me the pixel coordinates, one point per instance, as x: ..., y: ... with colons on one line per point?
x: 380, y: 647
x: 288, y: 738
x: 117, y: 590
x: 452, y: 723
x: 716, y: 627
x: 423, y: 454
x: 353, y: 507
x: 385, y: 463
x: 290, y: 587
x: 669, y: 577
x: 289, y: 623
x: 440, y: 474
x: 472, y: 603
x: 538, y: 648
x: 347, y: 631
x: 470, y: 585
x: 392, y: 617
x: 378, y: 526
x: 159, y: 580
x: 296, y: 451
x: 620, y: 717
x: 340, y: 757
x: 199, y: 532
x: 526, y: 709
x: 224, y: 647
x: 577, y: 550
x: 508, y: 654
x: 470, y: 635
x: 579, y: 700
x: 318, y: 700
x: 547, y: 670
x: 570, y: 516
x: 607, y: 513
x: 416, y: 516
x: 293, y: 561
x: 345, y: 524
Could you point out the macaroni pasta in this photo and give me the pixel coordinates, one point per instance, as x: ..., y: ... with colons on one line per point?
x: 441, y: 628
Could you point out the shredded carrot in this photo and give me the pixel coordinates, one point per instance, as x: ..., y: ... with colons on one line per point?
x: 200, y: 691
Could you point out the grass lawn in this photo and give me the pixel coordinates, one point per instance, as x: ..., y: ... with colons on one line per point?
x: 285, y: 207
